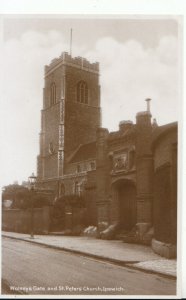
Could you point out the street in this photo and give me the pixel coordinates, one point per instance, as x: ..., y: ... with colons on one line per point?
x: 34, y: 269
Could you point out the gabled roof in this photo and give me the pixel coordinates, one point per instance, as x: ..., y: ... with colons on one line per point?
x: 84, y: 152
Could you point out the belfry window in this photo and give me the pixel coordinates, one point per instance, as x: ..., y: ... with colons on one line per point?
x: 52, y: 93
x: 82, y: 92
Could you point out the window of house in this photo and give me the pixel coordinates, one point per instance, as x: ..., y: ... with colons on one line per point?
x: 52, y: 94
x: 79, y: 187
x: 82, y: 92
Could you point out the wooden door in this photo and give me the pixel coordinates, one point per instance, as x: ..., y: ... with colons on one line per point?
x: 127, y: 201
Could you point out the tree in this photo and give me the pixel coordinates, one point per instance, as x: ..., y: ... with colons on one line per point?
x: 22, y: 198
x: 17, y: 193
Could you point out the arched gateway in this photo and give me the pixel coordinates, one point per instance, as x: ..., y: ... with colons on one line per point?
x: 124, y: 200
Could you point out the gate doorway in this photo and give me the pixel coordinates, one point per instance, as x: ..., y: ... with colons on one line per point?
x: 126, y: 194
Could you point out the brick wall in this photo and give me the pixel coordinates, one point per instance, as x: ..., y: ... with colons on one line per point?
x: 165, y: 187
x: 162, y: 204
x: 19, y: 220
x: 162, y: 153
x: 144, y: 175
x: 144, y: 167
x: 143, y: 134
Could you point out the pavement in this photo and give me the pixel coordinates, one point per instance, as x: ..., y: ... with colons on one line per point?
x: 135, y: 256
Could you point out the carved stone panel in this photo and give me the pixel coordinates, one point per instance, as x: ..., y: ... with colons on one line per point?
x: 120, y: 161
x: 123, y: 160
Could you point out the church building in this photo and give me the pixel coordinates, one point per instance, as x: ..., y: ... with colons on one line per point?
x: 128, y: 177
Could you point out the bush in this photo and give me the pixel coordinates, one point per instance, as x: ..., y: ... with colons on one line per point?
x: 22, y: 198
x: 74, y: 200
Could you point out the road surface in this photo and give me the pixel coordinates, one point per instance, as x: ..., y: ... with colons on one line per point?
x: 33, y: 269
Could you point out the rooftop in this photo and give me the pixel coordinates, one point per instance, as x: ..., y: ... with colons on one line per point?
x: 78, y: 62
x: 161, y: 130
x: 84, y: 152
x: 120, y: 134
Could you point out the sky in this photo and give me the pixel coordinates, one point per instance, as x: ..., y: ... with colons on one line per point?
x: 139, y: 59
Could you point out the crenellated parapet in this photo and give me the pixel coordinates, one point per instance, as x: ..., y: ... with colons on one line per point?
x: 77, y: 62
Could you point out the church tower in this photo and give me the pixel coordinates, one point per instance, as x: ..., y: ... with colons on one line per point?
x: 71, y: 113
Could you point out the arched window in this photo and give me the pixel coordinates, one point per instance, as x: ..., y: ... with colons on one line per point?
x: 79, y: 188
x: 52, y: 93
x: 82, y: 92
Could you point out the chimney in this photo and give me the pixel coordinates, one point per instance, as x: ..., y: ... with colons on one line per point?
x: 144, y: 117
x: 148, y: 104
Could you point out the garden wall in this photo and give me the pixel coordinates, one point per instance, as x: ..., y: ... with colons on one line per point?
x: 19, y: 220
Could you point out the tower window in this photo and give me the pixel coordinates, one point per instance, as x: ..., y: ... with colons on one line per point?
x: 82, y: 92
x: 52, y: 94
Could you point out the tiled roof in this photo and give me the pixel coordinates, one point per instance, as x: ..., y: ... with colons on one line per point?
x: 84, y: 152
